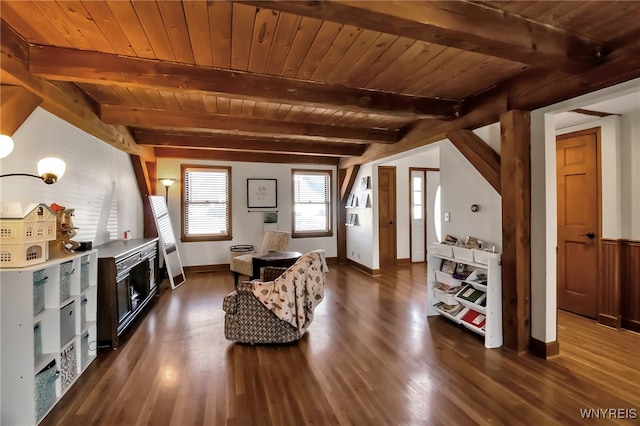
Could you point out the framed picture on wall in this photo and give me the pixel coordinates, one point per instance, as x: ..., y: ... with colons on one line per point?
x: 262, y: 193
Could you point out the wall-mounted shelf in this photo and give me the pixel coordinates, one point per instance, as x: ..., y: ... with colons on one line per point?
x: 352, y: 219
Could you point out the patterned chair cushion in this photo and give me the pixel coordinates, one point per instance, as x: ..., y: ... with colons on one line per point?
x: 247, y: 320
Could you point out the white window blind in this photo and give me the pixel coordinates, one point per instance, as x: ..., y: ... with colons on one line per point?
x: 206, y: 202
x: 312, y: 202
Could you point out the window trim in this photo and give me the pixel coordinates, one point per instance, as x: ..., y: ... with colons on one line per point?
x: 312, y: 234
x: 184, y: 237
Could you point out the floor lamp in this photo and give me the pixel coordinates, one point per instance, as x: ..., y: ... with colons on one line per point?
x: 167, y: 182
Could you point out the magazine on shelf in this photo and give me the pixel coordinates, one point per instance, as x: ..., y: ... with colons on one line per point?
x: 448, y: 267
x: 474, y: 318
x: 452, y: 310
x: 480, y: 278
x: 445, y: 288
x: 470, y: 293
x: 461, y: 271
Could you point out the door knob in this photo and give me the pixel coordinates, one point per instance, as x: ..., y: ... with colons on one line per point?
x: 589, y: 235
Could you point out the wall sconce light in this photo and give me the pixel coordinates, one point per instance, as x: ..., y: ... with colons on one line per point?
x: 6, y: 145
x: 50, y: 170
x: 167, y: 182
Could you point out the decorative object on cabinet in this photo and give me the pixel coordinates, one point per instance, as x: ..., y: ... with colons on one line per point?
x: 472, y: 298
x: 25, y: 234
x: 50, y: 170
x: 127, y: 272
x: 65, y: 231
x: 42, y: 339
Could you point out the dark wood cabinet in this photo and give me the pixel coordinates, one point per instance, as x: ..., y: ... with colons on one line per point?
x: 127, y: 272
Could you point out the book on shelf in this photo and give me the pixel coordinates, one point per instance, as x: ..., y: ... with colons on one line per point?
x: 452, y: 310
x: 445, y: 288
x: 449, y: 239
x: 475, y: 318
x: 470, y: 293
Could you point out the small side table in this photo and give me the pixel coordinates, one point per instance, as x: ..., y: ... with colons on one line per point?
x: 274, y: 258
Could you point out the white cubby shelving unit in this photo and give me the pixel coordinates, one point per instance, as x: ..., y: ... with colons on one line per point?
x: 477, y: 305
x: 48, y: 323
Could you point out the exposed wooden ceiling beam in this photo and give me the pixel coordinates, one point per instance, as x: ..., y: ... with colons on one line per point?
x: 247, y: 143
x: 64, y: 100
x: 17, y: 103
x: 463, y: 25
x: 535, y: 89
x: 486, y: 109
x: 252, y: 157
x: 101, y: 68
x: 479, y: 154
x: 148, y: 117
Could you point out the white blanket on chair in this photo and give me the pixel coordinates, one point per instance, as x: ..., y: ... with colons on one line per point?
x: 294, y: 295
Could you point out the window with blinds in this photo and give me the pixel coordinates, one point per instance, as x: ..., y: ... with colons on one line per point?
x: 311, y: 203
x: 206, y: 203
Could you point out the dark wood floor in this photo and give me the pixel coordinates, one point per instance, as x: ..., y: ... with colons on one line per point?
x: 371, y: 357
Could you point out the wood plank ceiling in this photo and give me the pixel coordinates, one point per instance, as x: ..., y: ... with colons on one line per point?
x: 322, y: 82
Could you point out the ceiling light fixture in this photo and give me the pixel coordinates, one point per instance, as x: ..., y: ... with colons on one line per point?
x: 50, y: 170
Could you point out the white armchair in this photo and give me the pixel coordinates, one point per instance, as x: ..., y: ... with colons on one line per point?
x: 272, y: 241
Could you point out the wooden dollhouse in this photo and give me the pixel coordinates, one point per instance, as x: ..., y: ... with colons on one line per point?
x: 25, y: 234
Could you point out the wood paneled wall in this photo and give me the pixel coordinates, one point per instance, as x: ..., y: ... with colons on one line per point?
x: 619, y: 289
x: 630, y: 285
x: 609, y: 287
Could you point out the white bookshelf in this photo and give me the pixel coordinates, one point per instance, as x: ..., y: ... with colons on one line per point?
x: 477, y: 263
x: 66, y: 327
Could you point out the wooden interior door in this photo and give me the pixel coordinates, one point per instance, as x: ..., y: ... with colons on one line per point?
x: 578, y: 221
x: 387, y: 215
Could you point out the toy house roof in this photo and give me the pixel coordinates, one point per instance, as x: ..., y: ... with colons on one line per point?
x: 14, y: 210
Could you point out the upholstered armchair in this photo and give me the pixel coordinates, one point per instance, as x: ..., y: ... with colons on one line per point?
x: 272, y: 241
x: 249, y: 320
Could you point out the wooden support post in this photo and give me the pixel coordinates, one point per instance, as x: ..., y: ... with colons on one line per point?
x: 346, y: 179
x: 516, y: 228
x: 146, y: 188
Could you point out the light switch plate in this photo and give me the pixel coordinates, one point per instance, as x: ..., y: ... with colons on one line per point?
x: 447, y: 217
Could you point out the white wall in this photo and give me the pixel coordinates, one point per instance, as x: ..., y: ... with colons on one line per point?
x: 462, y: 185
x: 247, y: 228
x: 99, y: 181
